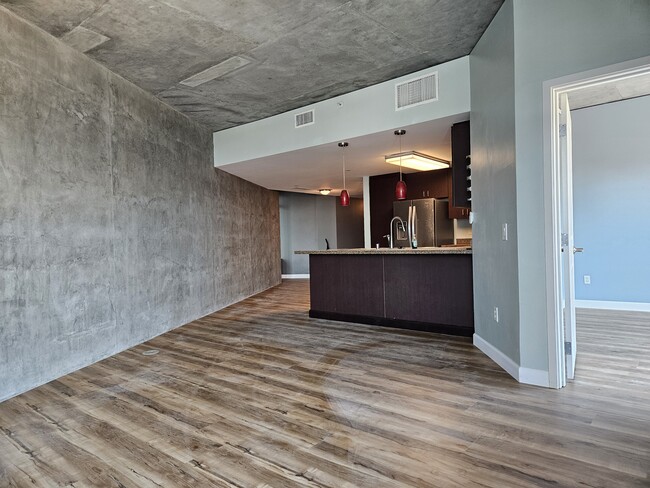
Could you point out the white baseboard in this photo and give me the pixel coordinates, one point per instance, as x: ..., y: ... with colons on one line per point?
x: 497, y: 356
x: 295, y: 276
x: 528, y: 376
x: 605, y: 305
x: 535, y: 377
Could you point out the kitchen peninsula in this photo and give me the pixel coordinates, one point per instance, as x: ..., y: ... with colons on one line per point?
x: 428, y: 289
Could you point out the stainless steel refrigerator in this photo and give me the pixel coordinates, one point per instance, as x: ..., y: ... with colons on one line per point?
x: 426, y: 223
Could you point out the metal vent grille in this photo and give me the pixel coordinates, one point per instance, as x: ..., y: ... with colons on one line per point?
x: 216, y: 71
x: 416, y: 91
x: 304, y: 118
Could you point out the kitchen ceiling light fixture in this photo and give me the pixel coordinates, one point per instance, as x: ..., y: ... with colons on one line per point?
x: 325, y: 191
x: 345, y: 197
x: 400, y: 188
x: 417, y: 160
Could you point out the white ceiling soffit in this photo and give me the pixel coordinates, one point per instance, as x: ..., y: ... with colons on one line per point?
x: 362, y: 112
x: 307, y: 170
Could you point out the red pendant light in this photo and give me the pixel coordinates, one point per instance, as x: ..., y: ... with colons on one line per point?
x: 400, y: 188
x: 345, y: 197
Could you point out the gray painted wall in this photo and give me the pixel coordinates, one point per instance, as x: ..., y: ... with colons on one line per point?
x: 305, y: 222
x: 349, y: 225
x: 611, y: 177
x: 535, y: 41
x: 493, y: 185
x: 114, y: 225
x: 556, y: 38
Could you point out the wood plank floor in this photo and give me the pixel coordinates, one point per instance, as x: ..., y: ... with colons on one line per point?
x: 259, y: 395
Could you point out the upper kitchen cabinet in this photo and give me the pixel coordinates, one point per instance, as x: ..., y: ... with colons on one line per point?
x: 461, y: 178
x: 427, y: 184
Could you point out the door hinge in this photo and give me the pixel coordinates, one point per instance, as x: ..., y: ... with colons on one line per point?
x: 564, y: 240
x: 562, y: 130
x: 568, y: 348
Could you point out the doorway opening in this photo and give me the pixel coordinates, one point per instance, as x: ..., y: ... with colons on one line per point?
x: 581, y: 88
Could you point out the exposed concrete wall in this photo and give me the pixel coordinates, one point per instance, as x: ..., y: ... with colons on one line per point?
x: 114, y: 225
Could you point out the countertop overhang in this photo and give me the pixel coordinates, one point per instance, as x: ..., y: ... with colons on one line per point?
x: 385, y: 250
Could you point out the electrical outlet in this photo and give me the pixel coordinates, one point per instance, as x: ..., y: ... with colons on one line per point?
x: 586, y: 279
x: 496, y: 314
x: 504, y: 232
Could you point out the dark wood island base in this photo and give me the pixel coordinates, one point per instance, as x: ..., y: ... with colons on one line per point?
x: 405, y: 289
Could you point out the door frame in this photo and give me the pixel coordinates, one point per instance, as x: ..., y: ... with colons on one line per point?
x: 552, y: 197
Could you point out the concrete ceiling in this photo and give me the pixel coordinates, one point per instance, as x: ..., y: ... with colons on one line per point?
x: 308, y: 170
x: 612, y: 91
x: 287, y: 53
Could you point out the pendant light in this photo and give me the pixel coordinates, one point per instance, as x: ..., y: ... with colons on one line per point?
x: 400, y: 188
x: 345, y: 197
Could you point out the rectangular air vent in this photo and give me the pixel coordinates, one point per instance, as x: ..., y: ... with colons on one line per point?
x: 417, y: 91
x: 304, y: 118
x: 216, y: 71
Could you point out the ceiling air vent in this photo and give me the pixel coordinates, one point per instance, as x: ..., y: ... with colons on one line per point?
x: 417, y: 91
x: 216, y: 71
x: 304, y: 118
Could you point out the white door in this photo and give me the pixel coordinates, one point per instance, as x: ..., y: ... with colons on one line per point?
x: 568, y: 244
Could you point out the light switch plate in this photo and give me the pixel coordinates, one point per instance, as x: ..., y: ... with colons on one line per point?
x: 586, y: 279
x: 504, y: 232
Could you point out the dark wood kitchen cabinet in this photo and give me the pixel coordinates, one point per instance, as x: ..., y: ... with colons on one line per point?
x: 456, y: 212
x: 427, y: 184
x: 447, y: 285
x: 422, y: 184
x: 429, y: 292
x: 460, y: 201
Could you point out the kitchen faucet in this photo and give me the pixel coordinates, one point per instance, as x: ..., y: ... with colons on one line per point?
x: 400, y: 225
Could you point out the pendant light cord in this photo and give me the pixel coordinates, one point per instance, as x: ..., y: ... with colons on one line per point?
x: 399, y: 133
x: 400, y: 157
x: 344, y: 187
x: 343, y: 145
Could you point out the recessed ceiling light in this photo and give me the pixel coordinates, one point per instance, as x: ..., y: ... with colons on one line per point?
x: 416, y: 160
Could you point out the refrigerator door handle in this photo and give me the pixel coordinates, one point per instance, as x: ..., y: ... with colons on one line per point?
x: 408, y: 225
x: 414, y: 228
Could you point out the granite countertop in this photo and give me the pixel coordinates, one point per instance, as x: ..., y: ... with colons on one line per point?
x: 386, y: 250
